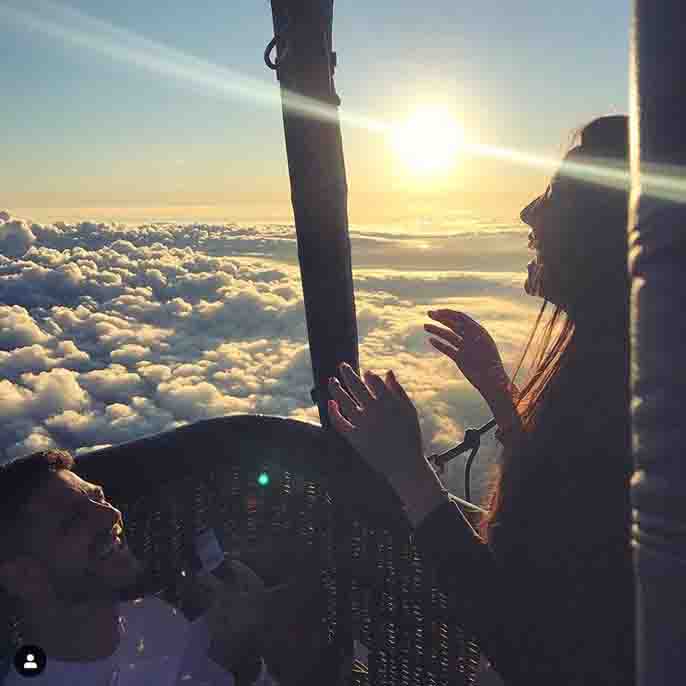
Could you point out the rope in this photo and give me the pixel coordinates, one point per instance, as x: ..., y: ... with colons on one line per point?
x: 472, y: 439
x: 280, y: 41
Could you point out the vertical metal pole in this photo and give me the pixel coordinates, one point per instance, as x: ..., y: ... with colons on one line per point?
x: 319, y: 188
x: 657, y: 260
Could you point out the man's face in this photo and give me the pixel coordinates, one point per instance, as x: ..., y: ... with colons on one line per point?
x: 77, y: 537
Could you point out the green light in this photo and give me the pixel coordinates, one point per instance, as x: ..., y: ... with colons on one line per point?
x: 263, y: 479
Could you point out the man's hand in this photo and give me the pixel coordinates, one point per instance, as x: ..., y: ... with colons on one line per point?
x: 283, y: 625
x: 236, y: 618
x: 295, y: 637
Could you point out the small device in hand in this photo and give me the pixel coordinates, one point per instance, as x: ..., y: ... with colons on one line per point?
x: 197, y: 594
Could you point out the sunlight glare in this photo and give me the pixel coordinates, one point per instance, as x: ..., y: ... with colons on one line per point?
x: 429, y: 141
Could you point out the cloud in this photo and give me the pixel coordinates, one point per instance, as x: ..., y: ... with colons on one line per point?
x: 426, y: 287
x: 15, y: 236
x: 111, y: 332
x: 129, y: 353
x: 114, y: 382
x: 38, y: 439
x: 41, y: 358
x: 17, y: 328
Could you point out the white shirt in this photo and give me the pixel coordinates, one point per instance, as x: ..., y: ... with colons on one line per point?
x: 159, y: 647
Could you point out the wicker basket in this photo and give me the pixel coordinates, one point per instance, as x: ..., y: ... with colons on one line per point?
x: 322, y: 504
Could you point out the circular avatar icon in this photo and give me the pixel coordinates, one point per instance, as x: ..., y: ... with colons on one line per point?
x: 30, y: 661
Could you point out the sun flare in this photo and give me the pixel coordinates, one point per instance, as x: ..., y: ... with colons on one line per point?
x: 428, y: 142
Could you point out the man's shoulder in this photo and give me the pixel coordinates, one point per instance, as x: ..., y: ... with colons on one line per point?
x: 150, y: 629
x: 150, y: 606
x: 153, y: 622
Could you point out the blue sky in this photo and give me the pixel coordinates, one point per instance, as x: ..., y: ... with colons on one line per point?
x: 110, y: 332
x: 82, y: 130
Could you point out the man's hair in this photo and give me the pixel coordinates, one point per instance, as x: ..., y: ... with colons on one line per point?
x: 20, y: 479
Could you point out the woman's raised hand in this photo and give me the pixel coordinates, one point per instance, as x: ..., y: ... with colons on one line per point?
x: 472, y: 349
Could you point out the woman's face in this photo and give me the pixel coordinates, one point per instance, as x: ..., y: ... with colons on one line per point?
x: 545, y: 216
x: 529, y: 215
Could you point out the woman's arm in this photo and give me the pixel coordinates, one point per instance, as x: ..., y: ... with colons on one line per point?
x: 506, y: 415
x: 382, y: 425
x: 487, y: 596
x: 466, y: 571
x: 568, y: 622
x: 465, y: 567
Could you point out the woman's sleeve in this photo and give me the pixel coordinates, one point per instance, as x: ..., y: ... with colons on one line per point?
x: 467, y: 572
x: 567, y: 619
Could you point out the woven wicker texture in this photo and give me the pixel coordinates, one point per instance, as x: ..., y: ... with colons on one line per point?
x: 322, y: 506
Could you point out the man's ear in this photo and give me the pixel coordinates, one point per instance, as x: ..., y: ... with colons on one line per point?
x: 22, y: 577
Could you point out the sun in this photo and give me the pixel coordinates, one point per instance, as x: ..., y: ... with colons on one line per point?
x: 429, y: 141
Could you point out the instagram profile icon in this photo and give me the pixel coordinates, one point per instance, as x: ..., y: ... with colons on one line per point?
x: 30, y: 661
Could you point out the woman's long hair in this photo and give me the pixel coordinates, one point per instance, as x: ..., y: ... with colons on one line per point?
x: 584, y: 261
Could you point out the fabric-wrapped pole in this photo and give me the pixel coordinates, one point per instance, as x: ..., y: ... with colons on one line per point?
x: 657, y: 262
x: 305, y: 65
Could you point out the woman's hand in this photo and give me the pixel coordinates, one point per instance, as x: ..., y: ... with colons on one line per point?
x: 473, y: 350
x: 379, y: 420
x: 383, y: 427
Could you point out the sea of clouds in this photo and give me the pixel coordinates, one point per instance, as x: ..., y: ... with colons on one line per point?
x: 111, y: 332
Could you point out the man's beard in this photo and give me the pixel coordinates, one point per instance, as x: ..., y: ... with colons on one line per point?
x: 93, y: 586
x: 85, y: 589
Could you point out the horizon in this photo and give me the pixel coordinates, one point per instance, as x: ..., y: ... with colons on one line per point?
x: 148, y: 257
x: 115, y: 113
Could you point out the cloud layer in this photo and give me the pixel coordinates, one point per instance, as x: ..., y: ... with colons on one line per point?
x: 112, y: 332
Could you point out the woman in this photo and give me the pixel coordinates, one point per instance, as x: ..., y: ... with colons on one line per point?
x: 548, y: 585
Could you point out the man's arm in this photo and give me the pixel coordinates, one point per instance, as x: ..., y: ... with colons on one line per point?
x: 235, y: 620
x: 253, y: 672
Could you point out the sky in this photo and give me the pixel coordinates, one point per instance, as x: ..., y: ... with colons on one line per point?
x: 92, y: 131
x: 148, y: 260
x: 149, y: 271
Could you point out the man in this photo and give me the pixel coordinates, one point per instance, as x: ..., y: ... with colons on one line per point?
x: 65, y: 562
